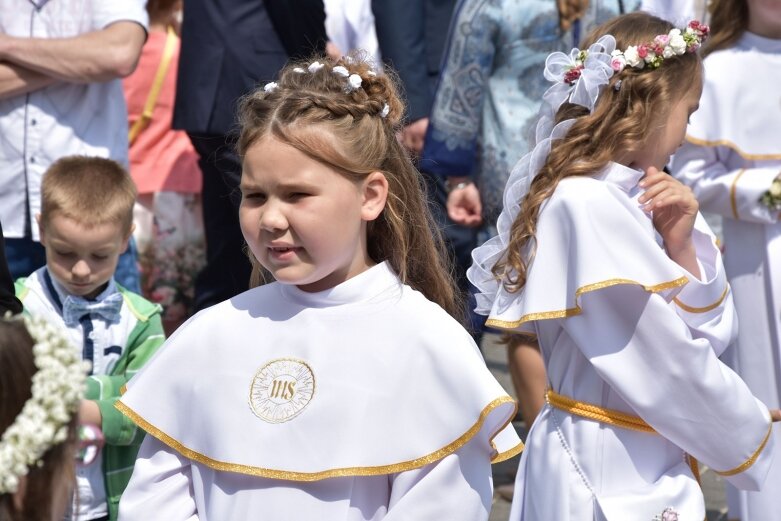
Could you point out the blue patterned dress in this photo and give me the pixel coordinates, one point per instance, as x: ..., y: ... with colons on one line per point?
x: 486, y: 103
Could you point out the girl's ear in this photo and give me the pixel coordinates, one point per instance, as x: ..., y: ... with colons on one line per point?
x: 375, y: 193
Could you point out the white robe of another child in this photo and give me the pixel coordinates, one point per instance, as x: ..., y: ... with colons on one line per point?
x: 731, y: 156
x: 623, y: 327
x: 393, y: 414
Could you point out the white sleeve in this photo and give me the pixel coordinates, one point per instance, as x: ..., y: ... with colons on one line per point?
x: 730, y: 193
x: 160, y: 487
x: 641, y: 348
x: 106, y: 12
x: 458, y: 487
x: 706, y: 304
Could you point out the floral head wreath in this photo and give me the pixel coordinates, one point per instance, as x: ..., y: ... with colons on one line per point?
x: 57, y: 388
x: 577, y: 78
x: 352, y: 81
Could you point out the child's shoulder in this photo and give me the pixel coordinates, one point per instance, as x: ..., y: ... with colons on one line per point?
x: 580, y: 193
x: 142, y: 308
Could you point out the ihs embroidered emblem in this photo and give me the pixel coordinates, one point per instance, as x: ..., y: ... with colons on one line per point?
x: 281, y: 389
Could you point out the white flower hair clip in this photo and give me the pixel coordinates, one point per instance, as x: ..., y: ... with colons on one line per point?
x: 385, y: 111
x: 341, y: 71
x: 57, y: 390
x: 315, y: 66
x: 298, y: 70
x: 354, y: 82
x: 270, y: 87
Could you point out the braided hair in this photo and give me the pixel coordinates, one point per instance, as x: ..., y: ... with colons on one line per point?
x: 346, y: 115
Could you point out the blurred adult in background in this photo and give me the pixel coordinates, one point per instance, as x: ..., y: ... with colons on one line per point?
x: 350, y: 26
x: 229, y: 46
x: 164, y: 167
x: 678, y: 12
x: 731, y: 159
x: 483, y: 119
x: 60, y: 94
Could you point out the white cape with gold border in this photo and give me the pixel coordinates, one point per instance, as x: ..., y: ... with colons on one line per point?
x: 384, y: 382
x: 622, y: 327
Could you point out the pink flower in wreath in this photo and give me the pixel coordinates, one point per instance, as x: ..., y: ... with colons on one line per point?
x: 618, y: 63
x: 662, y: 40
x: 642, y: 50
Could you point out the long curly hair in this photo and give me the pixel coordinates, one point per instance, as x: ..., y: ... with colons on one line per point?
x: 728, y: 22
x: 621, y: 122
x: 350, y: 132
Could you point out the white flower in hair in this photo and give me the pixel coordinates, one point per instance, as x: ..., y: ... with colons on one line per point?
x: 677, y: 43
x: 354, y: 82
x: 270, y: 87
x: 299, y: 70
x: 385, y: 111
x: 633, y: 57
x: 371, y: 73
x: 315, y: 66
x: 341, y: 71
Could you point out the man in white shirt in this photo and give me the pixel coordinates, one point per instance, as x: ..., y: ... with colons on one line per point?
x: 60, y: 94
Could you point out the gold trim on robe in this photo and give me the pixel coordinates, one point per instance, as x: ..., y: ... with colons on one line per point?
x: 337, y: 472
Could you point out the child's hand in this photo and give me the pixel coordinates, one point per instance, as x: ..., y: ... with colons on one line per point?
x: 775, y: 415
x: 90, y: 413
x: 674, y: 210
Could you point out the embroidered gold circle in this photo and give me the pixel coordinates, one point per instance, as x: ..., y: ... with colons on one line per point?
x: 281, y: 389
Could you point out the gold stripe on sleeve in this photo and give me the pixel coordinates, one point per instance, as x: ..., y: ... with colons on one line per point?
x: 733, y: 197
x: 750, y: 461
x: 692, y: 309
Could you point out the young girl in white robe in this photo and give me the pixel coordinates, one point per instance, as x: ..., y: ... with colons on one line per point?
x: 606, y: 259
x: 343, y: 390
x: 731, y: 158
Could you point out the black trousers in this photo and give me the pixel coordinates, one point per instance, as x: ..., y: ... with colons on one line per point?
x: 227, y: 268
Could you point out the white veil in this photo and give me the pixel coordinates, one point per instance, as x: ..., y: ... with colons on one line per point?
x: 595, y: 71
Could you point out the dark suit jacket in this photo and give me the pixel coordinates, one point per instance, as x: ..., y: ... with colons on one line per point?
x: 228, y: 48
x: 412, y: 36
x: 8, y: 301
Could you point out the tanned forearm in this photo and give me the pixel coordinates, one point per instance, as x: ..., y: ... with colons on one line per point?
x: 16, y: 80
x: 96, y: 56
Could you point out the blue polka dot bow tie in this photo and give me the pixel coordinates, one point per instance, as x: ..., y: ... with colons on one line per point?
x: 76, y: 307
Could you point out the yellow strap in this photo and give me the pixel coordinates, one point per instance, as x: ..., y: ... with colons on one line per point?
x: 151, y: 100
x: 594, y: 412
x: 610, y: 417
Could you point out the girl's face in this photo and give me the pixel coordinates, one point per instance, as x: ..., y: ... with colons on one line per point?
x: 671, y: 132
x: 304, y: 221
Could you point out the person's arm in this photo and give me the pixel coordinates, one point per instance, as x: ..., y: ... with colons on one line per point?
x: 463, y: 477
x: 674, y: 382
x: 16, y: 80
x: 705, y: 304
x: 450, y: 147
x: 95, y: 56
x: 732, y: 193
x: 160, y: 487
x: 118, y: 429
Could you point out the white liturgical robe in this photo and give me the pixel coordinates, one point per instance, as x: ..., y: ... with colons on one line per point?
x: 624, y: 328
x: 362, y: 402
x: 731, y: 156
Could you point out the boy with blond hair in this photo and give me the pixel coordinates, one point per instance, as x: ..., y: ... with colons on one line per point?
x: 85, y: 224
